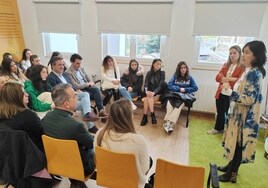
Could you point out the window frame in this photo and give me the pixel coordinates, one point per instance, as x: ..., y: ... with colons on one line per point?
x: 133, y: 49
x: 208, y: 65
x: 47, y: 44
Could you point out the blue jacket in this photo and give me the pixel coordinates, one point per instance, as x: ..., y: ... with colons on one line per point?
x: 189, y: 86
x: 54, y: 80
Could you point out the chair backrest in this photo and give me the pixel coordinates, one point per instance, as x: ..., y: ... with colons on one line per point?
x: 63, y: 158
x: 173, y: 175
x: 115, y: 169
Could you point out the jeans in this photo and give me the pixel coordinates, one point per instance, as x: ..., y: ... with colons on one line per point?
x: 96, y: 95
x: 124, y: 92
x: 84, y: 105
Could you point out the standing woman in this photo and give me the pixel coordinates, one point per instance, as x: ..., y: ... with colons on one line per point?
x: 25, y: 62
x: 229, y: 73
x: 240, y: 136
x: 154, y: 86
x: 111, y: 81
x: 15, y: 114
x: 182, y: 82
x: 11, y: 71
x: 132, y: 78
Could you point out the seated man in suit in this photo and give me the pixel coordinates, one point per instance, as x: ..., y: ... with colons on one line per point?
x: 60, y: 124
x: 57, y: 76
x: 81, y: 80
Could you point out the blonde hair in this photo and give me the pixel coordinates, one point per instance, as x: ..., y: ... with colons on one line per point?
x: 11, y: 100
x: 119, y: 119
x: 239, y: 50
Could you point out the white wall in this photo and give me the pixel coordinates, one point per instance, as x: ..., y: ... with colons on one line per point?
x: 180, y: 46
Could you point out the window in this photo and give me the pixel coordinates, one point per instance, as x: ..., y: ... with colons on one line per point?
x: 132, y: 46
x: 215, y: 49
x: 61, y: 42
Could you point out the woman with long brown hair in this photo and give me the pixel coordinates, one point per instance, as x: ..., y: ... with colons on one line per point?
x: 15, y: 114
x: 120, y: 135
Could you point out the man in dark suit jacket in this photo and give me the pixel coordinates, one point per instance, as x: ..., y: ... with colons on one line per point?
x: 60, y: 124
x: 80, y: 80
x: 57, y: 76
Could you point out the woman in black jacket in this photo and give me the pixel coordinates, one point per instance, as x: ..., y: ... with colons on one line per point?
x: 155, y: 85
x: 132, y: 78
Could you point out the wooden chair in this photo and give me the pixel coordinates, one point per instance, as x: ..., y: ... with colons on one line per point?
x: 173, y: 175
x: 63, y: 158
x: 115, y: 169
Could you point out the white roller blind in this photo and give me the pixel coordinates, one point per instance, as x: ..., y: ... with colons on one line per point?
x: 58, y: 17
x: 133, y: 18
x: 228, y: 19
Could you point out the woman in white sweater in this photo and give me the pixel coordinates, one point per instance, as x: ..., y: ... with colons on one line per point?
x: 111, y: 81
x: 119, y: 135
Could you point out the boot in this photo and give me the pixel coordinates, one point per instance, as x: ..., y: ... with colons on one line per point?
x: 228, y: 177
x: 224, y: 168
x: 144, y: 120
x: 153, y: 118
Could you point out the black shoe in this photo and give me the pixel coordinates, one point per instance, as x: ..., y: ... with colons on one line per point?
x: 224, y: 168
x: 228, y: 177
x: 153, y: 118
x: 93, y: 130
x: 144, y: 120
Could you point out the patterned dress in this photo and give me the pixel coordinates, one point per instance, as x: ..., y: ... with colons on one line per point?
x: 243, y: 123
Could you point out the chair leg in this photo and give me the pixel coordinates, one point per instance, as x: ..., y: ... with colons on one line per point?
x: 187, y: 117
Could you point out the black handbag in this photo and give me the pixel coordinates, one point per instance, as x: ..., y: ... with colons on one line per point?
x: 213, y: 178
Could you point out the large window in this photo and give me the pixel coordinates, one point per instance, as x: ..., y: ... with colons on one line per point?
x: 215, y: 49
x: 132, y: 46
x: 61, y: 42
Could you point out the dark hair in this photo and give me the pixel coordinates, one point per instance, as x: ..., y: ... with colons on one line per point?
x: 152, y: 66
x: 24, y: 57
x: 259, y: 52
x: 6, y: 55
x: 105, y: 62
x: 54, y: 59
x: 178, y: 72
x: 74, y: 57
x: 130, y: 62
x: 54, y: 54
x: 32, y: 57
x: 39, y: 84
x: 6, y: 68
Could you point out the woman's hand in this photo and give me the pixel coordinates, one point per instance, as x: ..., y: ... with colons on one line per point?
x: 115, y: 82
x: 224, y: 80
x: 182, y: 90
x: 225, y: 86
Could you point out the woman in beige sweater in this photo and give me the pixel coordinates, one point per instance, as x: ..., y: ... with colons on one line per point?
x: 119, y: 135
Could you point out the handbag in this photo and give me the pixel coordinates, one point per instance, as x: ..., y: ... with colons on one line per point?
x: 213, y: 178
x: 188, y: 98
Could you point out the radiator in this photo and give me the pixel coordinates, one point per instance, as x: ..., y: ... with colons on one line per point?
x: 205, y: 99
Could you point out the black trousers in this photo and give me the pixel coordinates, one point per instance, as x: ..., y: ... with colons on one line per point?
x: 222, y: 105
x: 236, y: 162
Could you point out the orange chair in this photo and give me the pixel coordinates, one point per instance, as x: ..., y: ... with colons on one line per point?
x: 115, y: 170
x: 173, y: 175
x: 63, y: 158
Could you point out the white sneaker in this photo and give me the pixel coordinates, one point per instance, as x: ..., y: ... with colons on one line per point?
x: 166, y: 126
x: 171, y: 129
x: 212, y: 132
x: 134, y: 107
